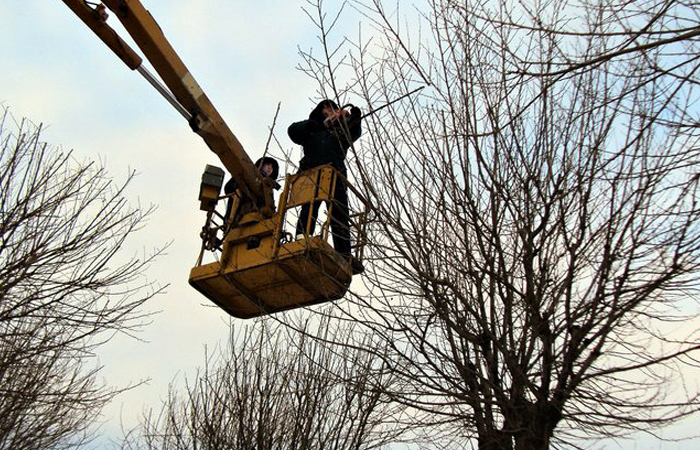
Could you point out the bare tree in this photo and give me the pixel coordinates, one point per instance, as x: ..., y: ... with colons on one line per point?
x: 534, y: 262
x: 649, y: 44
x: 273, y: 388
x: 64, y: 289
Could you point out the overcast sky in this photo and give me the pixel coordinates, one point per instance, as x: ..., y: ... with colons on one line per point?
x: 54, y: 71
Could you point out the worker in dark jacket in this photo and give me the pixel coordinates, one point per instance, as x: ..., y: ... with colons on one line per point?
x: 269, y: 168
x: 325, y: 139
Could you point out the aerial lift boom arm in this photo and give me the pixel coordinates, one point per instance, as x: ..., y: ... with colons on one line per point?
x: 203, y: 117
x: 257, y: 267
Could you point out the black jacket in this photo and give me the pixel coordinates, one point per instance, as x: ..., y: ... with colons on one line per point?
x: 322, y: 145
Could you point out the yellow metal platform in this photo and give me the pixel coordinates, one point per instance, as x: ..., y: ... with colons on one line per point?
x: 305, y: 272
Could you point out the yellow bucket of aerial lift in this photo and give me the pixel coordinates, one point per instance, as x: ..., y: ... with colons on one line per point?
x: 259, y: 271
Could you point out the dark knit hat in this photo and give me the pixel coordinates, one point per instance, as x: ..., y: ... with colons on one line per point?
x: 275, y: 165
x: 317, y: 113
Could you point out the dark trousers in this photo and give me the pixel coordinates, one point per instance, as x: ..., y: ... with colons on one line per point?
x: 340, y: 219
